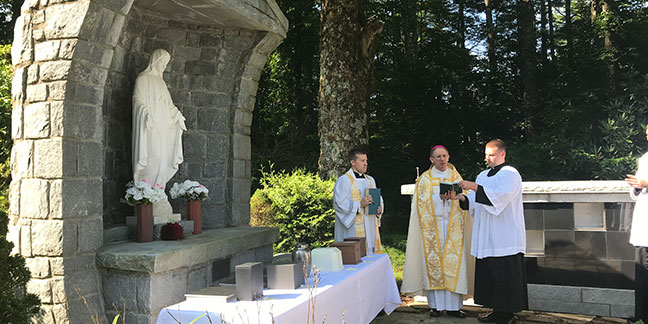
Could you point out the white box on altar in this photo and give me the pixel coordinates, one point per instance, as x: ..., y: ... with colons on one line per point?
x: 327, y: 259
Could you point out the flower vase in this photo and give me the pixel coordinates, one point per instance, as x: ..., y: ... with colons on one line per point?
x: 194, y: 214
x: 144, y: 215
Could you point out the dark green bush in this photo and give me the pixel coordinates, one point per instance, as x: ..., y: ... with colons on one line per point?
x: 300, y: 204
x: 16, y: 306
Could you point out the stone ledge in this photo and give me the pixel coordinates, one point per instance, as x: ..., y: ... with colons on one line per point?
x: 160, y: 256
x: 581, y: 300
x: 565, y: 191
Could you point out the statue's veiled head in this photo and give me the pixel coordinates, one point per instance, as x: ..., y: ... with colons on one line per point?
x: 158, y: 61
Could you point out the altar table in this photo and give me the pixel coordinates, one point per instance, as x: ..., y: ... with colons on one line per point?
x: 354, y: 295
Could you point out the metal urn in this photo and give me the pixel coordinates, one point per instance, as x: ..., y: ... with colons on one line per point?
x: 302, y: 253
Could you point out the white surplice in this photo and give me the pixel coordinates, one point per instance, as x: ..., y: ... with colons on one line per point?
x: 346, y: 209
x: 498, y: 230
x: 639, y: 231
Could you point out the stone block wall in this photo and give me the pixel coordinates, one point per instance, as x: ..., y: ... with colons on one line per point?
x: 55, y: 211
x: 143, y: 295
x: 582, y: 300
x: 71, y: 125
x: 141, y: 279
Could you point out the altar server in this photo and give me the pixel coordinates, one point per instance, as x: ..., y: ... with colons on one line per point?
x: 639, y: 234
x: 435, y: 258
x: 498, y: 238
x: 349, y: 200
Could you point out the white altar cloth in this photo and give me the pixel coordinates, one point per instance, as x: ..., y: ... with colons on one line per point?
x: 354, y: 295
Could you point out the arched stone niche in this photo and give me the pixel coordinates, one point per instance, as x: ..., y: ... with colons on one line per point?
x: 206, y: 81
x: 75, y: 64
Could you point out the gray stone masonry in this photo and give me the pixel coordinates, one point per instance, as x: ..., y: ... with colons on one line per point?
x: 74, y: 64
x: 581, y: 300
x: 145, y: 277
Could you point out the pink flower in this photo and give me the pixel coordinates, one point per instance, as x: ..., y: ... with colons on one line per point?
x: 160, y: 186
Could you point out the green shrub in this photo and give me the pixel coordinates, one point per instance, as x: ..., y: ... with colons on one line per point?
x: 395, y: 246
x: 16, y: 306
x: 300, y: 204
x: 5, y: 123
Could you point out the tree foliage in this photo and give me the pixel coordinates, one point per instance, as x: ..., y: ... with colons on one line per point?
x: 434, y: 83
x: 5, y: 124
x: 9, y: 11
x: 284, y: 123
x: 300, y: 204
x: 16, y: 306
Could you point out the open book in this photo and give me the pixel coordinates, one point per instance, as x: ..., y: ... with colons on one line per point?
x: 447, y: 187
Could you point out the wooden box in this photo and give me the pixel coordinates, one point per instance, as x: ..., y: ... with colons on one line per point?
x: 350, y: 251
x: 363, y: 244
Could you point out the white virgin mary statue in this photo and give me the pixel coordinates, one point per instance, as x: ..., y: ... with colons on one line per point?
x: 157, y: 128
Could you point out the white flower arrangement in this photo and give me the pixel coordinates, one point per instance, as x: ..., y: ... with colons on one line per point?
x: 143, y: 193
x: 190, y: 190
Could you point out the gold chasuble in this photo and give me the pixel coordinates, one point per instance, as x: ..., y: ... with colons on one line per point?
x: 435, y: 259
x: 358, y: 221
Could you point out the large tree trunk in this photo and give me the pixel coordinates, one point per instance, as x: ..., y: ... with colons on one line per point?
x: 550, y: 19
x: 595, y: 10
x: 543, y: 32
x: 410, y: 32
x: 569, y: 34
x: 490, y: 35
x: 347, y: 46
x: 608, y: 7
x: 527, y: 39
x: 462, y: 24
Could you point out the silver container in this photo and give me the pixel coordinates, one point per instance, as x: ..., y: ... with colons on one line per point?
x: 302, y: 253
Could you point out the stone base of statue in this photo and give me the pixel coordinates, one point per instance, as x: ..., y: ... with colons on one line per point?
x: 162, y: 208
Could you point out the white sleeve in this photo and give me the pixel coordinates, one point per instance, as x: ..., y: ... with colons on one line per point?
x: 471, y: 202
x: 508, y: 188
x: 343, y: 204
x: 642, y: 173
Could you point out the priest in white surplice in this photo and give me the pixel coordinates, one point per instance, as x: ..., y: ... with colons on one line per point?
x: 349, y: 200
x: 499, y: 237
x: 435, y: 259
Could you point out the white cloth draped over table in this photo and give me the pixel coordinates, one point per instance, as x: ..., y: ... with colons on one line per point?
x: 434, y: 266
x: 355, y: 295
x: 157, y: 125
x: 346, y: 208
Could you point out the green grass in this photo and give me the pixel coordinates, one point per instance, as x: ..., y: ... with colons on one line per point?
x: 394, y: 245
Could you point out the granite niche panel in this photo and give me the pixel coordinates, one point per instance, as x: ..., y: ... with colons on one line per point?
x: 588, y: 257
